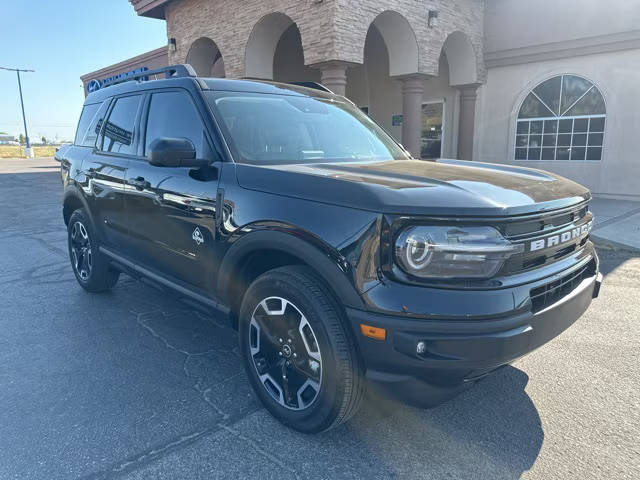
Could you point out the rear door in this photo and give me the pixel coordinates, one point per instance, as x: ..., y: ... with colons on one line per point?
x: 106, y: 166
x: 71, y: 157
x: 171, y: 211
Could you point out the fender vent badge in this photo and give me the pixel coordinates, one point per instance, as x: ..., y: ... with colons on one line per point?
x: 197, y: 236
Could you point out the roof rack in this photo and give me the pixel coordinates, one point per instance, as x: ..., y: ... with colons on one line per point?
x: 171, y: 71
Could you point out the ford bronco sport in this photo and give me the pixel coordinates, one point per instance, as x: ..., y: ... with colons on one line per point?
x: 341, y: 260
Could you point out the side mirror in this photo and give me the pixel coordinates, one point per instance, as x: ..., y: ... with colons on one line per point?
x: 174, y: 152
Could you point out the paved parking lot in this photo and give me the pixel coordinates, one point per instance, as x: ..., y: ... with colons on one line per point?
x: 133, y: 385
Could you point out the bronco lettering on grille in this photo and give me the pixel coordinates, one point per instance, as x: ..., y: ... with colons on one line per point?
x: 559, y: 239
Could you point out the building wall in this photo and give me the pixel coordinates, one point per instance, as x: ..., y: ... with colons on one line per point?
x: 615, y: 75
x: 157, y: 58
x: 230, y: 27
x: 382, y: 42
x: 513, y: 24
x: 330, y: 30
x: 512, y: 44
x: 528, y: 41
x: 353, y: 19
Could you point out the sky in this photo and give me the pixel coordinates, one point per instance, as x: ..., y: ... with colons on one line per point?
x: 62, y: 40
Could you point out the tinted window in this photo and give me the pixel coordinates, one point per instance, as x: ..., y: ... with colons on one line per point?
x: 95, y: 126
x: 173, y: 114
x: 118, y: 132
x: 88, y: 114
x: 274, y: 129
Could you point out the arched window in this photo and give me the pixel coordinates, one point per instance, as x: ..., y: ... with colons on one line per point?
x: 561, y: 119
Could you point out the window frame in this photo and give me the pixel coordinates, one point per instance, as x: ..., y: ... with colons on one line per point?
x: 559, y: 118
x: 136, y: 126
x: 107, y: 102
x: 144, y: 120
x: 84, y: 106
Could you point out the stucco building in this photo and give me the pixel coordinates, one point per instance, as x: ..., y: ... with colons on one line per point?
x: 538, y: 83
x: 150, y: 60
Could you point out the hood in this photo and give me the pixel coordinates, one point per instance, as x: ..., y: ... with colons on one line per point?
x: 416, y: 187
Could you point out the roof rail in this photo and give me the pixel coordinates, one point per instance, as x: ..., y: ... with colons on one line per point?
x: 314, y: 85
x: 171, y: 71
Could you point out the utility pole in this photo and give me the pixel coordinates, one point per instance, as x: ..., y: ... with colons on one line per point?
x: 28, y: 151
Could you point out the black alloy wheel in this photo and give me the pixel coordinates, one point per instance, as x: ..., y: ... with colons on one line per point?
x: 90, y: 267
x: 285, y: 353
x: 81, y: 254
x: 298, y: 351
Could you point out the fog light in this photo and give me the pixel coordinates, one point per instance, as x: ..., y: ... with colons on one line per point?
x: 421, y: 348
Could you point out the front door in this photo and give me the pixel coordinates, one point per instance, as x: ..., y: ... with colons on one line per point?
x: 171, y: 211
x: 432, y: 130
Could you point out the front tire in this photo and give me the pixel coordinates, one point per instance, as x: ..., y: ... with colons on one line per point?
x: 299, y: 355
x: 90, y: 266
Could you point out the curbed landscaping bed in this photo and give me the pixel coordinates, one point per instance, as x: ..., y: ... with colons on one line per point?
x: 14, y: 151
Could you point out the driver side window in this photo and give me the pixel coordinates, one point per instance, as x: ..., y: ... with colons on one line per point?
x: 173, y: 114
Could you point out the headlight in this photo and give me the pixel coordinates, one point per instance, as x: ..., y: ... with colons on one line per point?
x: 453, y: 252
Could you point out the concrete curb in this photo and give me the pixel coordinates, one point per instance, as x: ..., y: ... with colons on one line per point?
x: 606, y: 244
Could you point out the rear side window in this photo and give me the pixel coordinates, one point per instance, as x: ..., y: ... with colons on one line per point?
x: 86, y: 118
x: 173, y: 114
x: 92, y: 132
x: 118, y: 132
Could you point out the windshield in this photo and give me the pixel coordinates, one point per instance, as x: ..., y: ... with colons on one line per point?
x: 267, y: 129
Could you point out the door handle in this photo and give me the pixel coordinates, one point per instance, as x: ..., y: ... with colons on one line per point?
x: 139, y: 182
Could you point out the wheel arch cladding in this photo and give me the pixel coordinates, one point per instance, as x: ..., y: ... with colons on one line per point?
x: 260, y: 251
x: 72, y: 201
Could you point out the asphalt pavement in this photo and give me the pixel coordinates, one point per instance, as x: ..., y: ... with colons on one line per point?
x: 134, y: 385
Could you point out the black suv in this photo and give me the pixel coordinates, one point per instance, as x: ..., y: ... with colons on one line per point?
x: 342, y: 261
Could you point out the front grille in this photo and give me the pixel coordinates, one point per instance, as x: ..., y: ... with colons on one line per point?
x: 526, y: 231
x: 528, y: 228
x: 550, y: 293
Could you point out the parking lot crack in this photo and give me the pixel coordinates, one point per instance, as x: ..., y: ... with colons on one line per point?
x: 155, y: 453
x: 148, y: 456
x: 203, y: 391
x: 143, y: 324
x: 258, y: 449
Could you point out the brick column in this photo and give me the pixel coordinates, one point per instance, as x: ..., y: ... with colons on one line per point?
x: 468, y: 96
x: 334, y: 75
x: 412, y: 93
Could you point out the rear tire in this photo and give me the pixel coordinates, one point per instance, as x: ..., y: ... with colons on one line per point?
x: 90, y: 266
x: 300, y: 356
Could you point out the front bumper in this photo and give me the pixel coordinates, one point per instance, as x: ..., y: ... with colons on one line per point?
x: 458, y: 352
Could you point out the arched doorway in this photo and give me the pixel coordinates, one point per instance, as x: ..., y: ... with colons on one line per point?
x: 461, y: 59
x: 263, y: 42
x: 463, y: 76
x: 400, y: 41
x: 288, y: 59
x: 206, y: 59
x: 390, y: 54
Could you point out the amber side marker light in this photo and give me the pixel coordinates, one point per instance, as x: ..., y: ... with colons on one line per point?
x: 373, y: 332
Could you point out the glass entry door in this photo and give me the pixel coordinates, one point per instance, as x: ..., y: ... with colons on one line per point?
x: 432, y: 130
